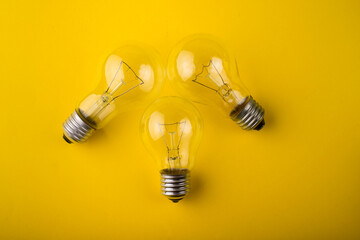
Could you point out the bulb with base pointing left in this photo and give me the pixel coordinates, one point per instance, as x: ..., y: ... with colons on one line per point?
x: 171, y: 129
x: 131, y: 75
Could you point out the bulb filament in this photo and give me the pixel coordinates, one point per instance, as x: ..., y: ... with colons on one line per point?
x: 123, y: 81
x: 211, y: 73
x: 131, y: 78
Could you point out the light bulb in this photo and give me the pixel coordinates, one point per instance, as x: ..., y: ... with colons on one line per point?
x: 202, y: 70
x: 131, y: 75
x: 171, y: 129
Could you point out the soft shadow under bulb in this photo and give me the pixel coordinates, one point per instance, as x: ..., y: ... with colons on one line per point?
x: 171, y: 130
x: 202, y: 70
x: 131, y: 75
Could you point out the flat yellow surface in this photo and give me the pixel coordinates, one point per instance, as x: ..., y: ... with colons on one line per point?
x: 298, y: 178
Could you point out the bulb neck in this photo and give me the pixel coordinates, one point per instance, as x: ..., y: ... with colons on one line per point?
x: 76, y: 129
x: 175, y: 183
x: 249, y: 115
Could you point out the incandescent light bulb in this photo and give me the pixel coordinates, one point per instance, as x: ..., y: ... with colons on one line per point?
x: 131, y: 75
x: 201, y: 69
x: 171, y: 129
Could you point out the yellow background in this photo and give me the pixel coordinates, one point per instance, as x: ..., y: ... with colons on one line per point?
x: 298, y: 178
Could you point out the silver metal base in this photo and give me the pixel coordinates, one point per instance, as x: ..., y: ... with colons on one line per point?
x: 76, y: 129
x: 175, y: 183
x: 249, y: 115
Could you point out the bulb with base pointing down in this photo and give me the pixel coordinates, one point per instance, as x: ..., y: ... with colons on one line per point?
x: 171, y: 129
x: 202, y: 70
x: 132, y: 75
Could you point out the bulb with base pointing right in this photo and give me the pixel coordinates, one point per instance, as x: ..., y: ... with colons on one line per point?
x: 202, y: 70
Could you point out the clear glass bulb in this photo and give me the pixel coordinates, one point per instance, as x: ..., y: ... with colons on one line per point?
x: 131, y: 75
x: 171, y: 129
x: 202, y: 70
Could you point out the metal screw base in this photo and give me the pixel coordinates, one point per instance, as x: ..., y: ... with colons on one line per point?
x: 249, y: 115
x: 76, y: 129
x: 175, y: 183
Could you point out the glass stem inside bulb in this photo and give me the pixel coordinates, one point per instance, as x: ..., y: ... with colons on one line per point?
x: 95, y: 110
x: 103, y: 101
x: 239, y: 107
x: 173, y: 152
x: 174, y: 162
